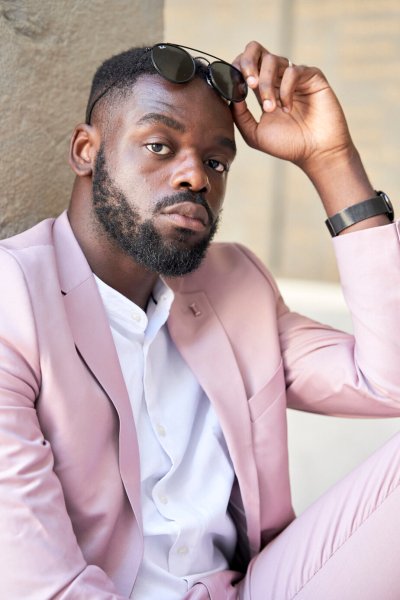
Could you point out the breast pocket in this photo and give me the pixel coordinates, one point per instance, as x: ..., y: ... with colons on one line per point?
x: 268, y: 394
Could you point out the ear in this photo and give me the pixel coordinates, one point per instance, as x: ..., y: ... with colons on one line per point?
x: 83, y: 149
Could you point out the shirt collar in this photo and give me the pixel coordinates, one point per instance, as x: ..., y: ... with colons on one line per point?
x: 122, y: 310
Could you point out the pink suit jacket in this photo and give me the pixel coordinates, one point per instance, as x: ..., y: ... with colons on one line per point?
x: 70, y: 517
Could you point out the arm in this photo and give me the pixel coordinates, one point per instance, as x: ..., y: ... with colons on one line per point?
x: 41, y: 557
x: 330, y: 372
x: 334, y: 373
x: 302, y: 122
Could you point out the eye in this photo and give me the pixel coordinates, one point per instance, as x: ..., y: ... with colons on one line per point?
x: 158, y: 148
x: 217, y: 165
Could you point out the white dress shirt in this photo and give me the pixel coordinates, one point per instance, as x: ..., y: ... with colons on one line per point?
x: 186, y: 471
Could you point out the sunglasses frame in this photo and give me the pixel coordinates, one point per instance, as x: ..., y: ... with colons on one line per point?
x: 210, y: 77
x: 211, y: 80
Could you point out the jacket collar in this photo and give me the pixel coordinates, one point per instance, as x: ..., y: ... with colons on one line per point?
x: 200, y: 337
x: 94, y: 342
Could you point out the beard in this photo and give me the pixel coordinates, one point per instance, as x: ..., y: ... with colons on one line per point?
x: 138, y: 238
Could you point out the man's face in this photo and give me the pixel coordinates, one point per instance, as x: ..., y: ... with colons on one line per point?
x: 160, y: 175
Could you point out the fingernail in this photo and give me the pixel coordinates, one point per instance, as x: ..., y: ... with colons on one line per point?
x: 286, y: 109
x: 267, y: 105
x: 251, y: 81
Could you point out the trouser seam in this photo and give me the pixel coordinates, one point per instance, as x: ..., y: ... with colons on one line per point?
x: 347, y: 539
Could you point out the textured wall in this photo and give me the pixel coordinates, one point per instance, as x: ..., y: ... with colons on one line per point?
x: 48, y: 52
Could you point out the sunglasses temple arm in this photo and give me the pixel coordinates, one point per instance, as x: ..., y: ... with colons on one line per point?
x: 103, y: 93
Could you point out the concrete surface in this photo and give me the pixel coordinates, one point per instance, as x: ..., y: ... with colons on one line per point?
x: 48, y: 53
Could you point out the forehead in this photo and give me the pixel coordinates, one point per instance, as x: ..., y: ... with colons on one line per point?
x: 195, y: 104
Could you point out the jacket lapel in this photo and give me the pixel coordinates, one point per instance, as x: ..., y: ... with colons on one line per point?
x: 94, y: 342
x: 203, y: 343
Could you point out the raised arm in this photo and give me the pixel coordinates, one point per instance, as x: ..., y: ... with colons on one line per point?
x: 303, y: 122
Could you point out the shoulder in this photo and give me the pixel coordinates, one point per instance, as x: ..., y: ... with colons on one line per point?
x: 230, y: 268
x: 233, y: 260
x: 27, y: 256
x: 38, y: 235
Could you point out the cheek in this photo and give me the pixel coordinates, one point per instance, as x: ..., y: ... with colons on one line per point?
x: 217, y: 196
x: 141, y: 174
x: 132, y: 175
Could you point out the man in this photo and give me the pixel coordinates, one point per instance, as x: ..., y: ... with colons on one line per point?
x: 144, y: 379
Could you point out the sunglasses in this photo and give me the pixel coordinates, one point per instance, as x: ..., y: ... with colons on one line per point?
x: 175, y: 64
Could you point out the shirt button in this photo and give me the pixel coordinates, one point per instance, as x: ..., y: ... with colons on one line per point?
x: 163, y: 498
x: 160, y: 430
x: 182, y: 550
x: 136, y: 317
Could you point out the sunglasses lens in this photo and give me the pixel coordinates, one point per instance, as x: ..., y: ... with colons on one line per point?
x: 228, y: 81
x: 173, y: 63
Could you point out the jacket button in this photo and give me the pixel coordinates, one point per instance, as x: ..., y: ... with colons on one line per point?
x: 195, y: 309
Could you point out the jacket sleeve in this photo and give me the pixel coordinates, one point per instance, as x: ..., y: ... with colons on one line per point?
x: 41, y: 557
x: 331, y: 372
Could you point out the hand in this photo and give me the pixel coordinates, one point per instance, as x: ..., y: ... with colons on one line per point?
x: 302, y: 120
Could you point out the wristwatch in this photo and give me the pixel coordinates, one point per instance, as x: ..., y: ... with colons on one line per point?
x: 378, y: 205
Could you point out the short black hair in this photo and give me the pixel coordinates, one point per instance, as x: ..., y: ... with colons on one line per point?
x: 118, y: 74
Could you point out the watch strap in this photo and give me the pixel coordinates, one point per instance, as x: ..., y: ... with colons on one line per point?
x: 378, y: 205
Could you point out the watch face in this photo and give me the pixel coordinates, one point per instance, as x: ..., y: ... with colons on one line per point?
x: 388, y: 203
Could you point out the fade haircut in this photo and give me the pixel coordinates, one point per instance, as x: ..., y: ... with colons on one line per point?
x: 114, y: 79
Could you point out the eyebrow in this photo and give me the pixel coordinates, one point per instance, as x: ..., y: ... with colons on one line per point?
x: 154, y: 117
x: 160, y: 118
x: 228, y: 143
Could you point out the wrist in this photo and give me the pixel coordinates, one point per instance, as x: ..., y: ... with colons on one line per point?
x: 377, y: 210
x: 340, y: 180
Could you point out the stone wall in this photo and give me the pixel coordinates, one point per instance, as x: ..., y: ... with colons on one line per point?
x: 48, y: 52
x: 271, y: 206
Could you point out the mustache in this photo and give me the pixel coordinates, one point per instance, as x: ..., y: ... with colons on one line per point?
x: 185, y: 197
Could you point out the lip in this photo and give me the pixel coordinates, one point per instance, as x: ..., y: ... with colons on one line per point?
x: 188, y: 215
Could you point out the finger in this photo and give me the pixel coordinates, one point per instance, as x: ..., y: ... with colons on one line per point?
x: 245, y: 122
x: 300, y: 79
x: 251, y: 79
x: 249, y: 62
x: 262, y: 71
x: 272, y: 70
x: 290, y: 79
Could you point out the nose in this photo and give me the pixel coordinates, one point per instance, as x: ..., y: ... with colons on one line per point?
x: 190, y: 173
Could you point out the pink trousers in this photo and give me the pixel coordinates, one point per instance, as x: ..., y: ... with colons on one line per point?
x: 345, y: 546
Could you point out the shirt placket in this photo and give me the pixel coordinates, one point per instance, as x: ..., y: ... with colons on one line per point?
x: 165, y: 494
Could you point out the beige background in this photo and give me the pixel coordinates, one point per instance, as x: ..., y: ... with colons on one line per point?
x: 271, y: 206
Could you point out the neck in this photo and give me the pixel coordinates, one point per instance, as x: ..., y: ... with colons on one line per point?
x: 125, y: 276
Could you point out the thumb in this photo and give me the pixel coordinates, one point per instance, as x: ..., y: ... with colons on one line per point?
x: 245, y: 122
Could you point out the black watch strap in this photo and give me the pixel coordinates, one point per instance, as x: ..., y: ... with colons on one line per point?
x: 378, y: 205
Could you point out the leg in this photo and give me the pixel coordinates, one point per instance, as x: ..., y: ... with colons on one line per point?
x: 343, y: 547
